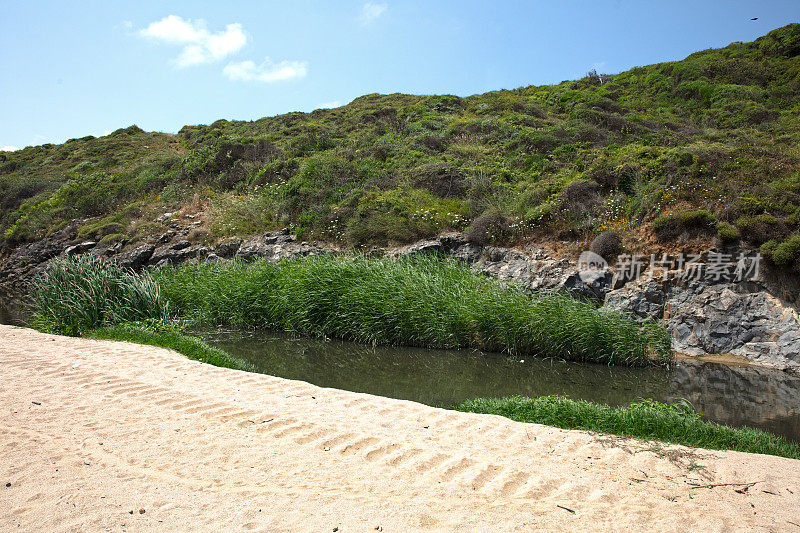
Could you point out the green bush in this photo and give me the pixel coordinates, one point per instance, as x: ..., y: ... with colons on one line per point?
x: 768, y: 248
x: 787, y: 253
x: 671, y: 226
x: 77, y: 294
x: 413, y: 301
x: 727, y: 233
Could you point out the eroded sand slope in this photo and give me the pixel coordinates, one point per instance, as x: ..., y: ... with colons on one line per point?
x: 118, y: 427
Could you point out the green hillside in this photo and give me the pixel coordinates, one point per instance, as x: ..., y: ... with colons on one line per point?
x: 707, y: 146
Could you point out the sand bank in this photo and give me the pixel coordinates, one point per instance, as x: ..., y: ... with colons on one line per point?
x: 91, y: 431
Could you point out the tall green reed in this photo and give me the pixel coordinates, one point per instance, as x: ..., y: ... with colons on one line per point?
x: 416, y: 301
x: 77, y: 294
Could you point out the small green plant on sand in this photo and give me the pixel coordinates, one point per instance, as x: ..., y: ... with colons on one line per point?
x: 673, y: 422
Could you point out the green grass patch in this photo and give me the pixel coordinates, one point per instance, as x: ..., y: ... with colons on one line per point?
x: 675, y: 423
x: 728, y: 233
x: 171, y: 338
x: 412, y: 301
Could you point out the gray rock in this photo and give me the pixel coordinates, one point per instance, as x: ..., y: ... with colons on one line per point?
x: 116, y: 248
x: 137, y: 257
x: 228, y: 249
x: 429, y: 246
x: 80, y: 248
x: 535, y: 270
x: 177, y: 253
x: 467, y: 252
x: 166, y: 216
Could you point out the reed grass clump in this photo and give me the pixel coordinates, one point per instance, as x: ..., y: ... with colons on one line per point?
x: 78, y: 294
x: 676, y: 422
x: 414, y: 301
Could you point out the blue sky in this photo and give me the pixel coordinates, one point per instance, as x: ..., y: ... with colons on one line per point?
x: 69, y: 69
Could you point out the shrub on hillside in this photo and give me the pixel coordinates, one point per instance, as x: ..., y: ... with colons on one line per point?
x: 727, y: 233
x: 760, y: 229
x: 582, y: 192
x: 672, y: 226
x: 580, y: 198
x: 488, y: 228
x: 610, y: 178
x: 787, y: 254
x: 607, y: 245
x: 440, y: 179
x: 768, y: 248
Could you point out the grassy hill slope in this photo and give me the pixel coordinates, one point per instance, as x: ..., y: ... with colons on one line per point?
x: 703, y: 146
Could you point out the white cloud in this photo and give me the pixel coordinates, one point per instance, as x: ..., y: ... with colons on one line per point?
x: 371, y: 12
x: 329, y: 105
x: 199, y: 44
x: 9, y: 148
x: 266, y: 72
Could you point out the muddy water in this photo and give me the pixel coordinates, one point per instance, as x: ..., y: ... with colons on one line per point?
x: 737, y: 396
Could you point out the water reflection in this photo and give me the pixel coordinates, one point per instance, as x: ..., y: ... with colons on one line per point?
x: 736, y: 396
x: 751, y: 396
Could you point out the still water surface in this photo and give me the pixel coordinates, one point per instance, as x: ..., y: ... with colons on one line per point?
x: 737, y: 396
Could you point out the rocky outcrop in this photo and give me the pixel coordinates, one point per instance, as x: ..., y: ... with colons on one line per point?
x: 535, y: 270
x: 737, y: 318
x: 137, y: 257
x: 277, y: 245
x: 26, y: 262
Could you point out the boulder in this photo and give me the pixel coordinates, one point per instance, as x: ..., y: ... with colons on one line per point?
x: 80, y: 248
x: 174, y: 254
x: 137, y: 257
x: 228, y: 249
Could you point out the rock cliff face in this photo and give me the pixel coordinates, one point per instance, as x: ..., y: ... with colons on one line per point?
x: 743, y: 318
x: 737, y: 318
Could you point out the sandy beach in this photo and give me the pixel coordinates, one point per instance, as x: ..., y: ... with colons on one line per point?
x: 113, y: 436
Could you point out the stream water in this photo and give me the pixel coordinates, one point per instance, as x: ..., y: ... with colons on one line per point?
x: 736, y: 396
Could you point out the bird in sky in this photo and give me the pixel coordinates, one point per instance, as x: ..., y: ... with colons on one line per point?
x: 754, y: 18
